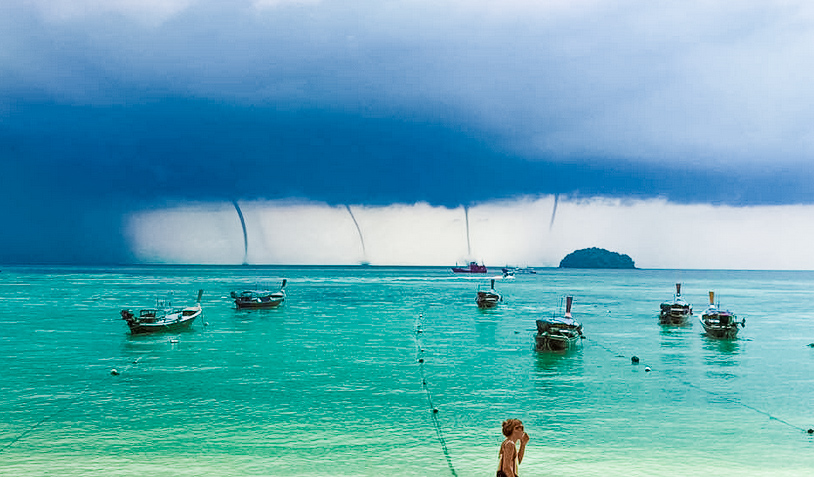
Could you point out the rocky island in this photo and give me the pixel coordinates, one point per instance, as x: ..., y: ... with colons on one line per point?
x: 596, y: 258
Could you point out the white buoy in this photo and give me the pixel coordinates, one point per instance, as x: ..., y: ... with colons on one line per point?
x: 173, y: 341
x: 647, y: 369
x: 114, y: 372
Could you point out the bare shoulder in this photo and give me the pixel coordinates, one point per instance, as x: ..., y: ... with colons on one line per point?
x: 508, y: 447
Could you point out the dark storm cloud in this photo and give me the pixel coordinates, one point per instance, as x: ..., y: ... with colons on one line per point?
x: 117, y: 106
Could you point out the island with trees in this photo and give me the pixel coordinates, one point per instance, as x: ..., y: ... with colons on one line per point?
x: 596, y: 258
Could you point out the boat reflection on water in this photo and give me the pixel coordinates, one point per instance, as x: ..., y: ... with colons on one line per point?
x: 557, y: 363
x: 553, y: 377
x: 718, y: 347
x: 486, y: 328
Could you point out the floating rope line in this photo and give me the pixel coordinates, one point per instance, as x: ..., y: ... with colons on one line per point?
x: 733, y: 400
x: 36, y: 425
x: 434, y: 411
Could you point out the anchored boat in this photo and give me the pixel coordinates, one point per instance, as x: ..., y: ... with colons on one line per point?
x: 488, y: 298
x: 164, y: 317
x: 507, y: 270
x: 558, y: 333
x: 676, y: 312
x: 252, y: 299
x: 721, y: 324
x: 473, y: 267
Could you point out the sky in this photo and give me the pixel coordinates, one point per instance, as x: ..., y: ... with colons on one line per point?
x: 677, y: 132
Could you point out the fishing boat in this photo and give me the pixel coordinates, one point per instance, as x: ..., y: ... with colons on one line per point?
x: 721, y: 324
x: 473, y: 267
x: 675, y: 312
x: 559, y: 333
x: 253, y: 299
x: 164, y: 317
x: 488, y: 298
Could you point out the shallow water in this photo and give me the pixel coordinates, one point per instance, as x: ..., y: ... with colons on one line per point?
x: 330, y: 383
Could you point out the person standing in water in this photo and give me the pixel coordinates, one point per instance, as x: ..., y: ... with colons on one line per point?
x: 510, y: 456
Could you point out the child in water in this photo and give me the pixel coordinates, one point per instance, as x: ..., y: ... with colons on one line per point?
x: 513, y: 430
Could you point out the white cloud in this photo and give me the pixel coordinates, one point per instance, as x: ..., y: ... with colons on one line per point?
x: 655, y: 233
x: 192, y: 233
x: 147, y: 11
x: 269, y: 4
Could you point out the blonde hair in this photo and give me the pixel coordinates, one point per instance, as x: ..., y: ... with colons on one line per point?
x: 509, y: 425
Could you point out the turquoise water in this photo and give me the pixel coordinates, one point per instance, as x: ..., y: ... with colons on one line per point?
x: 330, y: 383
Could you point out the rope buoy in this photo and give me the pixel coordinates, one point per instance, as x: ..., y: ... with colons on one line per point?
x: 434, y: 415
x: 635, y: 360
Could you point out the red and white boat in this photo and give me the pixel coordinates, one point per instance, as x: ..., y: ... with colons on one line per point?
x: 473, y: 267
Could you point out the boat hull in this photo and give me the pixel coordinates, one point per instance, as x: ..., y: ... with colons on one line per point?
x: 720, y: 332
x: 472, y: 268
x: 261, y: 304
x: 259, y: 299
x: 487, y: 300
x: 555, y: 342
x: 721, y: 326
x: 183, y: 323
x: 140, y: 329
x: 675, y: 316
x: 487, y: 303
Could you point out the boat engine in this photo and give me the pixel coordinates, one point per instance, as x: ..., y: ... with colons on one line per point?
x: 127, y: 316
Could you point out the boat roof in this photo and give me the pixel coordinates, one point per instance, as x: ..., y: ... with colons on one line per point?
x: 562, y: 320
x: 712, y: 309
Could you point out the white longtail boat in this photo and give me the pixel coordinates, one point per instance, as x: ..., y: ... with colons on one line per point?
x: 721, y: 324
x: 677, y: 311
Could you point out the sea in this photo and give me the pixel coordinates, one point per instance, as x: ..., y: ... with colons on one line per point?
x: 374, y: 371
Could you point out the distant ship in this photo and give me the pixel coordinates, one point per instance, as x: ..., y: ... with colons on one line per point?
x: 507, y: 270
x: 472, y: 268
